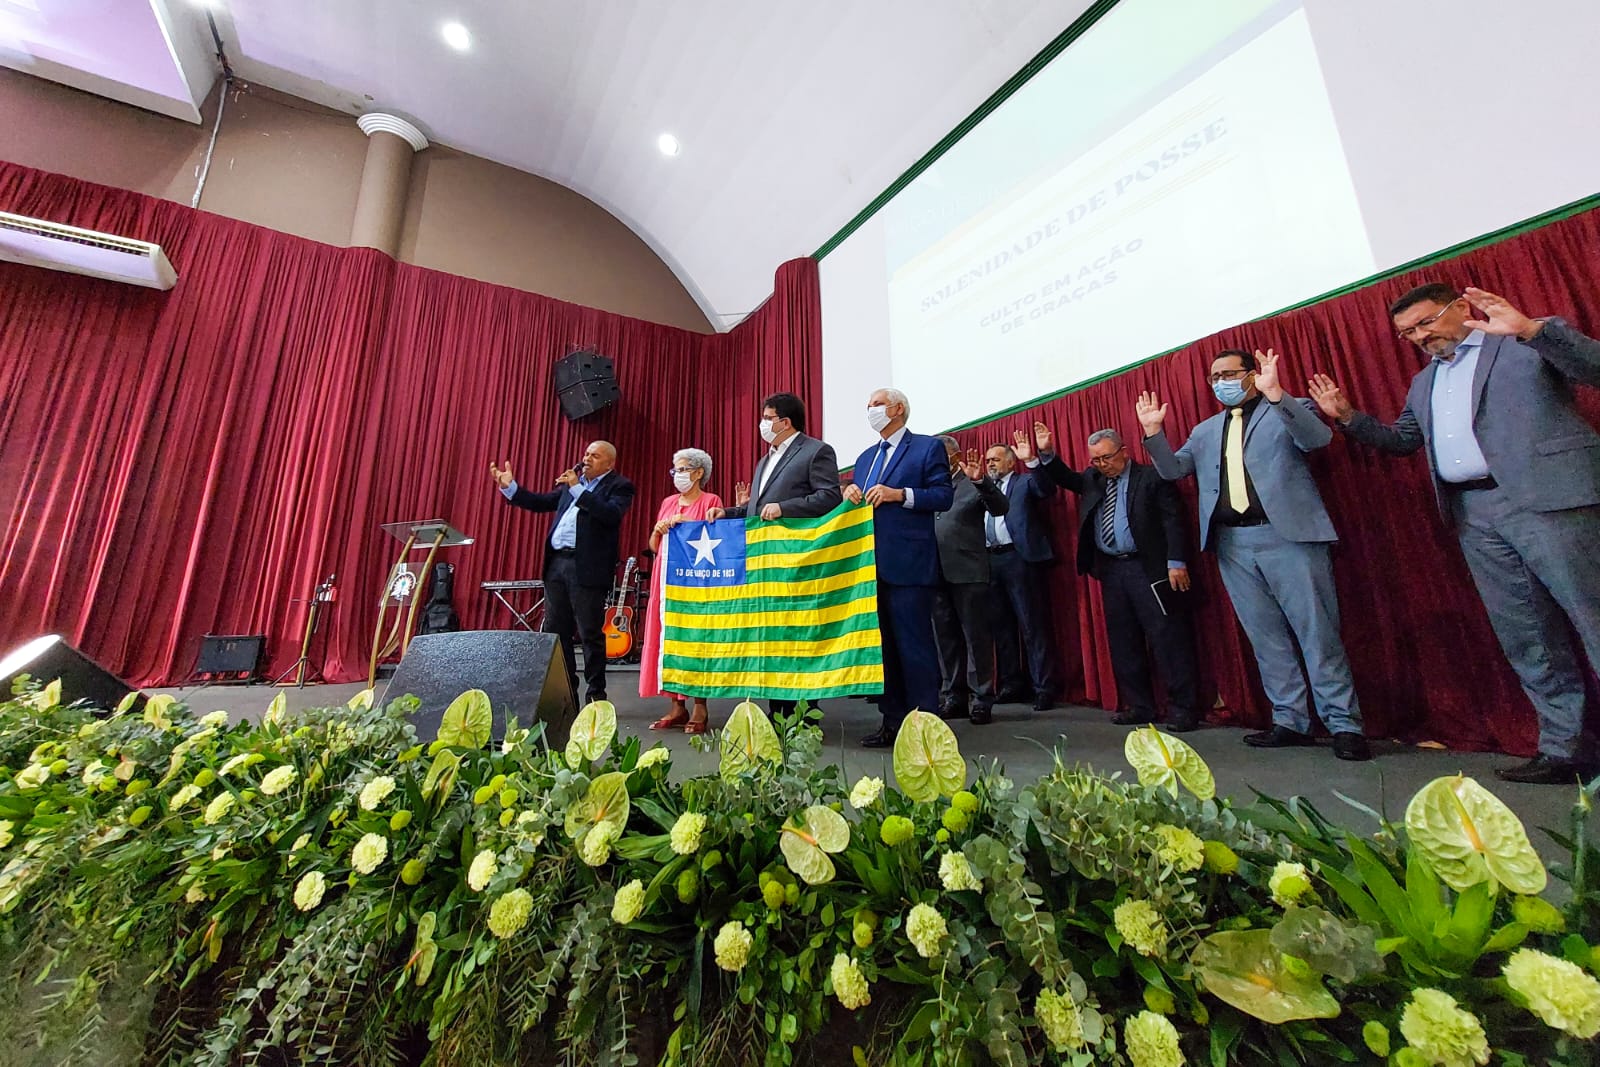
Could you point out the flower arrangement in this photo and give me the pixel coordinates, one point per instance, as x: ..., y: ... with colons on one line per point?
x: 324, y: 888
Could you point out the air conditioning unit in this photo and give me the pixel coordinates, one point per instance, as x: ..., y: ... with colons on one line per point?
x: 54, y: 246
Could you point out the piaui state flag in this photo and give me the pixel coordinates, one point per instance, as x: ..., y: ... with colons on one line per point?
x: 784, y: 610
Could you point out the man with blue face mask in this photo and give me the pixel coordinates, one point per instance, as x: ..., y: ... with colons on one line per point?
x: 1261, y: 512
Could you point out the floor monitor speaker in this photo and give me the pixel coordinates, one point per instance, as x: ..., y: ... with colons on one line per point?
x: 46, y: 659
x: 523, y: 673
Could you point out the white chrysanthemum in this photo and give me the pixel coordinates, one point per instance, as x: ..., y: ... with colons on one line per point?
x: 308, y: 891
x: 1152, y: 1041
x: 849, y: 984
x: 1562, y: 994
x: 732, y: 946
x: 685, y: 835
x: 925, y: 929
x: 219, y: 807
x: 596, y: 847
x: 865, y: 793
x: 484, y: 865
x: 183, y: 796
x: 509, y: 913
x: 32, y: 777
x: 374, y: 792
x: 368, y: 853
x: 241, y: 760
x: 659, y: 754
x: 278, y: 779
x: 956, y: 873
x: 629, y: 903
x: 1442, y: 1032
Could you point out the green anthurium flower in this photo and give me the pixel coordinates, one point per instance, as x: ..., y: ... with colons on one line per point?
x: 1244, y: 968
x: 1468, y: 836
x: 748, y: 741
x: 807, y: 839
x: 592, y: 732
x: 468, y: 721
x: 1163, y: 760
x: 927, y: 758
x: 605, y: 801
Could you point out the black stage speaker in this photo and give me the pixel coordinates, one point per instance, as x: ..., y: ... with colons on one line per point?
x: 522, y: 672
x: 229, y: 654
x: 47, y: 658
x: 585, y: 383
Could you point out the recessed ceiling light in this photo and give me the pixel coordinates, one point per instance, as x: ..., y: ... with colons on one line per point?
x: 456, y: 36
x: 668, y: 144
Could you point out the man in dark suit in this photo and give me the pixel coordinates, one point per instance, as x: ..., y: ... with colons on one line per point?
x: 1019, y: 550
x: 1260, y: 511
x: 1516, y: 473
x: 961, y: 617
x: 580, y: 559
x: 1131, y: 538
x: 905, y: 477
x: 797, y: 477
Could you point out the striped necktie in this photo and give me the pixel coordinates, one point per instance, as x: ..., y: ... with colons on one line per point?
x: 1108, y: 514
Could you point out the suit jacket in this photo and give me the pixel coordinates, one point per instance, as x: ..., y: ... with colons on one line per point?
x: 903, y: 537
x: 1275, y: 445
x: 805, y: 485
x: 1153, y: 518
x: 600, y: 512
x: 1024, y: 522
x: 1541, y: 451
x: 963, y: 558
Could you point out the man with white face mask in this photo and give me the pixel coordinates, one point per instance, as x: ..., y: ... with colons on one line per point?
x: 797, y: 477
x: 905, y: 478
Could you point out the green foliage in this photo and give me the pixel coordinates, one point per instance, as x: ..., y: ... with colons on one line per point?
x: 991, y: 924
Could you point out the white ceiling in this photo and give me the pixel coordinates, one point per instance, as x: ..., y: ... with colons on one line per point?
x: 793, y: 116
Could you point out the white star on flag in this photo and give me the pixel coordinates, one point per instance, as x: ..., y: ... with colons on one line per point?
x: 705, y: 548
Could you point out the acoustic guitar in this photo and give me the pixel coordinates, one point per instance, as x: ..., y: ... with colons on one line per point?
x: 619, y: 616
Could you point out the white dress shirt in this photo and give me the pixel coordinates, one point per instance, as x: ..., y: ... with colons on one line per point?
x: 1455, y: 444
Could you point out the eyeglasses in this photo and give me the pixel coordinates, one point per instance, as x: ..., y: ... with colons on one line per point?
x: 1227, y: 375
x: 1101, y: 461
x: 1405, y: 334
x: 683, y: 470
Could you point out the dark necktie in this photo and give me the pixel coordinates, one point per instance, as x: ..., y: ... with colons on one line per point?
x: 877, y: 466
x: 1108, y: 515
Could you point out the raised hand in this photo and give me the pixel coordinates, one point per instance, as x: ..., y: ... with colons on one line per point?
x: 852, y: 492
x: 771, y: 512
x: 1330, y: 398
x: 972, y: 465
x: 1021, y: 446
x: 1502, y: 318
x: 1043, y: 439
x: 741, y: 493
x: 502, y: 475
x: 1152, y: 413
x: 1267, y: 375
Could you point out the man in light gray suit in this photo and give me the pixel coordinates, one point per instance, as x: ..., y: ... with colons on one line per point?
x: 1516, y: 473
x: 796, y: 478
x: 963, y: 624
x: 1261, y: 512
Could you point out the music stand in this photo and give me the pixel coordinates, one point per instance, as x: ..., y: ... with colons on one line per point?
x: 401, y: 585
x: 324, y: 594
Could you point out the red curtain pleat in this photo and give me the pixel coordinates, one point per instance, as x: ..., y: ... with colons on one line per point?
x: 175, y: 464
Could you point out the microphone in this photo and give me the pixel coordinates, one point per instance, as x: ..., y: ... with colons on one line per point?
x: 578, y: 466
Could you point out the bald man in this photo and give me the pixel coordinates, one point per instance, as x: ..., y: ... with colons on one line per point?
x: 580, y: 559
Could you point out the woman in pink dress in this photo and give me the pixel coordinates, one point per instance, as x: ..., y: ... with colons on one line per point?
x: 691, y: 470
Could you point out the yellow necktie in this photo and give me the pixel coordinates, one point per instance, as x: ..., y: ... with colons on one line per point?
x: 1238, y: 494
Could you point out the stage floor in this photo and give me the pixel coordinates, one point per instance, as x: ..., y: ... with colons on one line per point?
x: 1021, y: 740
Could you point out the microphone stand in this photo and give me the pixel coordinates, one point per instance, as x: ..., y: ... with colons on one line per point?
x: 324, y: 595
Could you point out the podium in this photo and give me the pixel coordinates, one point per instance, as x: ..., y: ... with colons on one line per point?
x: 403, y: 584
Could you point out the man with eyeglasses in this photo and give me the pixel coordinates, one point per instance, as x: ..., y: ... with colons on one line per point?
x: 1260, y: 511
x: 1131, y: 539
x: 1516, y: 473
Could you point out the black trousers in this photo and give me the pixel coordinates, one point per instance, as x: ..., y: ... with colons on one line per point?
x: 1017, y: 599
x: 1135, y: 619
x: 572, y: 610
x: 965, y: 632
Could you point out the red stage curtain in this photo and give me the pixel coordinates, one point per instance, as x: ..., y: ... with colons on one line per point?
x: 190, y: 462
x: 1426, y: 664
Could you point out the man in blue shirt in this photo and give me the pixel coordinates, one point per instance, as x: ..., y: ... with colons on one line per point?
x: 580, y: 559
x: 1516, y: 474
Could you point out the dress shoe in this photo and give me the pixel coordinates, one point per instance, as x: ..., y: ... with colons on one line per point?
x: 1043, y: 703
x: 881, y: 739
x: 1011, y: 696
x: 953, y: 710
x: 1131, y: 718
x: 1349, y: 745
x: 1547, y: 770
x: 1182, y: 724
x: 981, y: 716
x: 1278, y: 737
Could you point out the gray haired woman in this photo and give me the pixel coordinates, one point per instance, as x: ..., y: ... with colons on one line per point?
x: 691, y: 470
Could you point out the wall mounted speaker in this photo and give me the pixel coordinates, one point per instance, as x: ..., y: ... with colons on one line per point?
x: 522, y: 672
x: 585, y: 382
